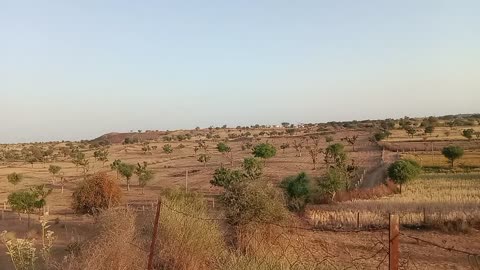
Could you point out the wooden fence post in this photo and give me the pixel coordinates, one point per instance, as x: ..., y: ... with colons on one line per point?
x: 358, y: 220
x: 154, y: 236
x: 186, y: 181
x: 424, y: 216
x: 394, y: 240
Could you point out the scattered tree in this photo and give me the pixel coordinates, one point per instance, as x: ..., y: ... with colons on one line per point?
x: 252, y: 168
x: 452, y: 153
x: 332, y: 182
x: 284, y: 146
x: 204, y: 158
x: 265, y: 151
x: 468, y: 133
x: 298, y: 148
x: 78, y: 158
x: 126, y: 170
x: 223, y: 177
x: 167, y: 149
x: 27, y: 201
x: 115, y: 166
x: 314, y: 150
x: 298, y: 190
x: 144, y: 175
x: 351, y: 140
x: 14, y: 178
x: 335, y: 154
x: 101, y: 155
x: 410, y: 131
x: 403, y: 171
x: 54, y: 170
x: 384, y: 134
x: 429, y: 129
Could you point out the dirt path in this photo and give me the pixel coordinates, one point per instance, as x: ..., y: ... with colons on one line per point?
x: 378, y: 175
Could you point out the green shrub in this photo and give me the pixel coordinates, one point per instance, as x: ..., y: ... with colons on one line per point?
x: 298, y: 190
x: 247, y: 202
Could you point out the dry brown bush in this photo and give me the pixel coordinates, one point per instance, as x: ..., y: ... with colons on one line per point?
x: 388, y: 188
x: 98, y: 191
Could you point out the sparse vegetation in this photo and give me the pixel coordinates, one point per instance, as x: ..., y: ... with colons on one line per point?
x: 14, y: 178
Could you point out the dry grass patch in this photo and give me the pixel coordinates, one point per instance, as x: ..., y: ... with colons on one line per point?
x: 443, y: 200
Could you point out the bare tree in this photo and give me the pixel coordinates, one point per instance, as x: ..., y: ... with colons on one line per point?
x: 298, y: 147
x: 351, y: 140
x: 314, y: 150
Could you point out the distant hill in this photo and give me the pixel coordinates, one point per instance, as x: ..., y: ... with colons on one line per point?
x: 116, y: 137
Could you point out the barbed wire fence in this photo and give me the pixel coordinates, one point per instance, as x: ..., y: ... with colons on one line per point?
x: 292, y: 246
x: 274, y: 245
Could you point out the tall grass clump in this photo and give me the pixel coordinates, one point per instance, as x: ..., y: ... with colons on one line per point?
x: 188, y: 237
x: 116, y: 245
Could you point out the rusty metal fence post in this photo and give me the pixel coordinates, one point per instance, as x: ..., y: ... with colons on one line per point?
x: 154, y: 236
x: 394, y: 241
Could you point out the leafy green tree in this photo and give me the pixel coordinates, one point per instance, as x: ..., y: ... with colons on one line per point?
x: 264, y: 150
x: 126, y: 170
x: 54, y: 170
x: 298, y: 190
x: 101, y: 155
x: 410, y: 131
x: 14, y: 178
x: 23, y: 202
x: 78, y: 158
x: 115, y: 166
x: 429, y: 129
x: 403, y: 171
x: 223, y: 148
x: 335, y: 154
x: 468, y: 133
x: 28, y: 201
x: 452, y: 153
x: 144, y: 175
x: 223, y: 177
x: 167, y: 149
x: 204, y: 158
x: 332, y: 182
x: 252, y: 168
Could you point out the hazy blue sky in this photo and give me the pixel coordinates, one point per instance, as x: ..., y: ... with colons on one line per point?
x: 77, y: 69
